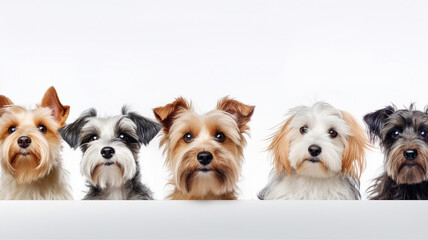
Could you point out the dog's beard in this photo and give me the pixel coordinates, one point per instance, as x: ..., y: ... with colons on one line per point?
x: 112, y: 172
x: 31, y: 164
x: 328, y: 163
x: 218, y: 178
x: 404, y: 171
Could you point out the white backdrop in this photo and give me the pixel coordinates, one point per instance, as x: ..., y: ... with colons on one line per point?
x: 359, y: 56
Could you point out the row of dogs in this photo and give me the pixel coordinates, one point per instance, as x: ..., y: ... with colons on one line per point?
x: 318, y: 152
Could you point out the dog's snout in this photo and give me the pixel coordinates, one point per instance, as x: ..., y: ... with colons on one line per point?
x: 107, y: 152
x: 314, y: 150
x: 410, y: 154
x: 205, y: 158
x: 24, y: 142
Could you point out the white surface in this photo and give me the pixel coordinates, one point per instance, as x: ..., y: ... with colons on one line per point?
x: 214, y: 220
x: 358, y: 56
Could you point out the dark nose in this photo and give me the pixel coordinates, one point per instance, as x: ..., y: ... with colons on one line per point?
x: 107, y: 152
x: 314, y: 150
x: 205, y: 158
x: 24, y: 142
x: 410, y: 154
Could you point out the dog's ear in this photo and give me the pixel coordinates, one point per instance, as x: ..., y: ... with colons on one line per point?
x: 59, y: 111
x: 166, y: 115
x: 146, y: 128
x: 376, y: 120
x: 354, y: 155
x: 241, y: 112
x: 4, y: 102
x: 280, y: 148
x: 71, y: 132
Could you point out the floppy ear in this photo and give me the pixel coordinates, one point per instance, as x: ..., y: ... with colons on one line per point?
x: 4, y: 102
x: 354, y: 155
x: 165, y: 115
x: 280, y: 148
x: 71, y: 132
x: 146, y: 128
x: 241, y: 112
x: 376, y: 120
x: 59, y: 111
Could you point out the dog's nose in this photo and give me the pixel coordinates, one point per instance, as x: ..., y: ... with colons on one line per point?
x: 410, y: 154
x: 205, y: 158
x: 107, y: 152
x: 314, y: 150
x: 24, y: 142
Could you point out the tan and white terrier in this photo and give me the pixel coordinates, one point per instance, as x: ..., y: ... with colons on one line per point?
x: 204, y: 152
x: 30, y: 148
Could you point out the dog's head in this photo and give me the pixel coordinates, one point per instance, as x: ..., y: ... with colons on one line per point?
x: 204, y: 152
x: 110, y: 145
x: 319, y: 141
x: 29, y: 140
x: 402, y: 135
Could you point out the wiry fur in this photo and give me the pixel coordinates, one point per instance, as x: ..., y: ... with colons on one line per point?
x: 190, y: 179
x: 117, y: 178
x: 35, y: 172
x: 334, y: 174
x: 403, y: 179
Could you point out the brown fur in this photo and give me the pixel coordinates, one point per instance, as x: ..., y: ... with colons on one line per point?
x: 178, y: 118
x: 280, y: 148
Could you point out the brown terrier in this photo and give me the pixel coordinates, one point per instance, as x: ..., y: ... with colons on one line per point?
x: 204, y: 152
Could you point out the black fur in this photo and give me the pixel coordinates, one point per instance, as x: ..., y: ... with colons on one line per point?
x: 376, y: 120
x: 71, y: 132
x: 385, y: 188
x: 146, y: 128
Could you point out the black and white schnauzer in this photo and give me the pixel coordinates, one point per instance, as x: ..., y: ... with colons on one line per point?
x: 402, y: 135
x: 110, y: 149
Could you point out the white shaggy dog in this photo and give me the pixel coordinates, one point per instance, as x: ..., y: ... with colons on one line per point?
x: 319, y: 154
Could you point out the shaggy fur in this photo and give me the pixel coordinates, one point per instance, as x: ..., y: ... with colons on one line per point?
x: 217, y: 135
x: 33, y: 171
x: 110, y: 149
x: 402, y: 135
x: 319, y: 154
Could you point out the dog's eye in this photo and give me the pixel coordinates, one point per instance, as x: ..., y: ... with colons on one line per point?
x: 220, y: 137
x: 123, y: 137
x: 94, y: 138
x: 188, y: 137
x: 42, y: 129
x: 423, y: 133
x: 396, y: 133
x: 11, y: 130
x: 332, y: 133
x: 304, y: 129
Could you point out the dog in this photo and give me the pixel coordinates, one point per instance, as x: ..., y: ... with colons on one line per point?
x: 30, y: 150
x: 319, y: 154
x: 204, y: 153
x: 403, y: 139
x: 110, y: 148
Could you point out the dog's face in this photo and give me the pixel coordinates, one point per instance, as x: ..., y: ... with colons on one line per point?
x: 29, y: 140
x: 204, y: 152
x: 110, y: 145
x: 319, y: 141
x: 403, y: 138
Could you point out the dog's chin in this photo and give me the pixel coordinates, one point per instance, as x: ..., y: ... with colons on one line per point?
x: 107, y: 174
x: 312, y: 167
x: 26, y: 167
x: 411, y: 173
x: 205, y: 181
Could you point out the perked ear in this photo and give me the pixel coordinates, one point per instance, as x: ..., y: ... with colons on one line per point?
x: 71, y: 132
x: 4, y: 102
x: 376, y: 120
x: 165, y: 115
x: 354, y: 155
x: 59, y: 111
x: 280, y: 148
x: 146, y: 128
x: 241, y: 112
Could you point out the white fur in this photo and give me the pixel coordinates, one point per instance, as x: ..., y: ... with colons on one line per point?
x: 311, y: 182
x: 110, y: 176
